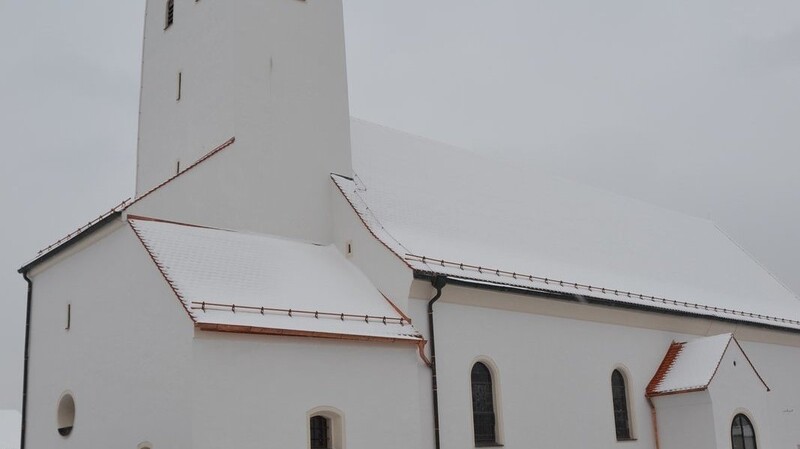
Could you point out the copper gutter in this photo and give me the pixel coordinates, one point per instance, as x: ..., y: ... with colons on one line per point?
x: 240, y: 329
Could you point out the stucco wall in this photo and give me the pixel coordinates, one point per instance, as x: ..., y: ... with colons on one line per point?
x: 780, y: 368
x: 124, y: 358
x: 256, y: 391
x: 687, y: 421
x: 736, y: 389
x: 255, y: 71
x: 553, y: 372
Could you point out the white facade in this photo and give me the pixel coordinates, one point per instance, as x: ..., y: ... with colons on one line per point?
x: 543, y: 278
x: 9, y: 429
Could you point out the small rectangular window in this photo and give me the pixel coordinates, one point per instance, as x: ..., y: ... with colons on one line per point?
x: 180, y: 86
x: 170, y: 13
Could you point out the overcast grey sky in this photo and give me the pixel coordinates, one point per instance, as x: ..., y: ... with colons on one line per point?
x: 689, y: 104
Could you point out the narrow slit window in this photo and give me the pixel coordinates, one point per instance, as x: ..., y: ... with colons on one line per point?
x: 180, y: 86
x: 619, y: 395
x: 170, y: 13
x: 483, y: 410
x: 69, y: 316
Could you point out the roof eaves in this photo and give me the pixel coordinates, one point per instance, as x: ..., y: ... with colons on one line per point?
x: 576, y: 297
x: 73, y: 238
x: 243, y: 329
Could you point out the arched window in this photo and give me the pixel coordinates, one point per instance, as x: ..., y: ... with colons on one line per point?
x: 483, y: 416
x: 325, y: 428
x: 320, y: 432
x: 619, y: 393
x: 743, y: 436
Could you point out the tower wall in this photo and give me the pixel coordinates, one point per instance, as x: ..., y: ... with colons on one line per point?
x: 270, y: 73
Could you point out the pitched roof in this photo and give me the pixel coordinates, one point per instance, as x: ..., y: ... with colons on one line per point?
x: 245, y: 282
x: 691, y: 366
x: 115, y: 211
x: 447, y: 211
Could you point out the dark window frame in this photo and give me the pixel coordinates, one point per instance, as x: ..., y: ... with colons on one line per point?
x: 170, y: 14
x: 621, y: 406
x: 741, y: 440
x: 320, y: 432
x: 484, y: 406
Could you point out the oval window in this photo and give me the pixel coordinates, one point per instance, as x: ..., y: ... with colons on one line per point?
x: 66, y: 414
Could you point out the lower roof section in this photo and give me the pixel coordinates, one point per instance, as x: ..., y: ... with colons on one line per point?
x: 243, y: 282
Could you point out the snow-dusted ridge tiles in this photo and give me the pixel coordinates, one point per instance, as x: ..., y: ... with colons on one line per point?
x: 243, y: 282
x: 691, y: 366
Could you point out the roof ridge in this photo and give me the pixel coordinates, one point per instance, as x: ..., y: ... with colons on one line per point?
x: 722, y: 356
x: 755, y: 260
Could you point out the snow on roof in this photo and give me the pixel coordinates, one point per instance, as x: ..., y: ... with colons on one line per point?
x: 257, y: 283
x: 121, y: 207
x: 690, y: 366
x: 448, y: 211
x: 10, y: 429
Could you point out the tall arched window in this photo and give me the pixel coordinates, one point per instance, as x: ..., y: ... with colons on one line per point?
x: 483, y: 416
x: 743, y: 436
x: 619, y: 393
x: 320, y: 432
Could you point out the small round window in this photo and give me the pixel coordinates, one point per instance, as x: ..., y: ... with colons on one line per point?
x: 66, y: 414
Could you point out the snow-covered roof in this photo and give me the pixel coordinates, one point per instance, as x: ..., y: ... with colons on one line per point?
x: 10, y: 429
x: 447, y: 211
x: 243, y: 282
x: 691, y: 366
x: 89, y: 227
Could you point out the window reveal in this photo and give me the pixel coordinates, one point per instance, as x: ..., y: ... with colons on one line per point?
x: 320, y: 433
x: 620, y: 400
x: 743, y: 436
x: 483, y: 416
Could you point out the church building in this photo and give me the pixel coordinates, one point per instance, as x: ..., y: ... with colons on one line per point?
x: 289, y: 277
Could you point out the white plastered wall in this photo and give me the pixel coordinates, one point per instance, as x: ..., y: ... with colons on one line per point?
x: 737, y: 389
x: 124, y: 358
x: 272, y: 75
x: 255, y: 391
x: 779, y: 365
x: 686, y: 420
x: 555, y: 368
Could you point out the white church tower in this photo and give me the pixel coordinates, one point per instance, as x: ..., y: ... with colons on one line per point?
x: 269, y: 73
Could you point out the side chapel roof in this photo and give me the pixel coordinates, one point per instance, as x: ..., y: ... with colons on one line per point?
x: 691, y: 366
x: 254, y: 283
